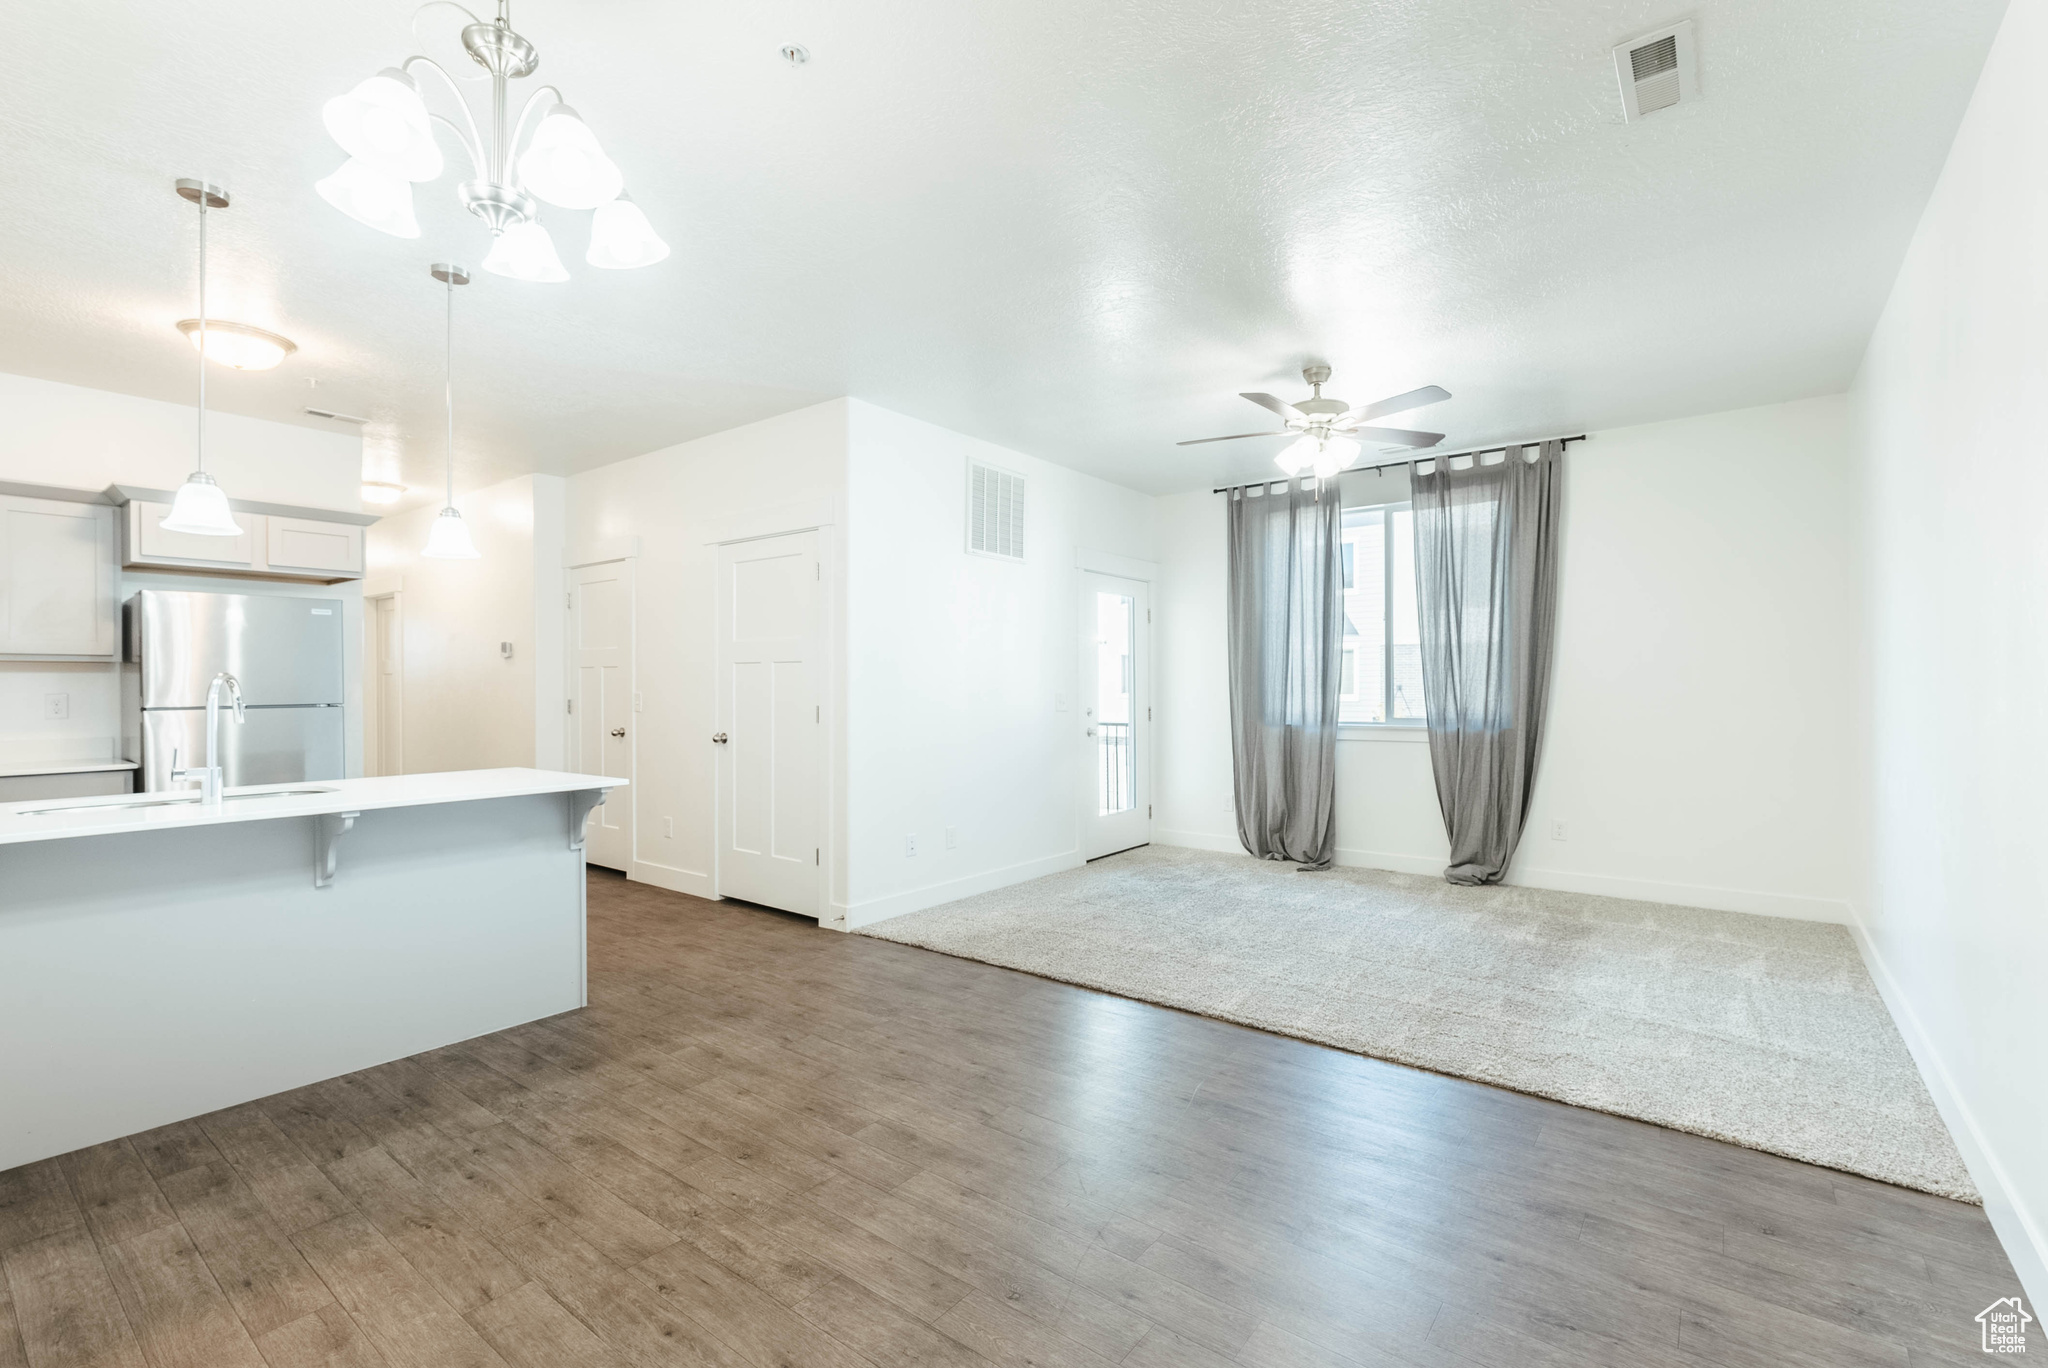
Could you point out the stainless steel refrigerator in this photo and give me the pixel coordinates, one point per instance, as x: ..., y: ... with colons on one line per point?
x: 285, y: 652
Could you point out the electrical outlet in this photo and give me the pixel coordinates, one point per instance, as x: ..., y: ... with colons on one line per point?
x: 952, y: 838
x: 668, y: 828
x: 910, y: 847
x: 1557, y: 829
x: 1059, y: 702
x: 57, y: 707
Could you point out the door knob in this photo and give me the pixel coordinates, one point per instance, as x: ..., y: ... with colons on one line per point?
x: 618, y: 731
x: 1091, y: 731
x: 719, y: 737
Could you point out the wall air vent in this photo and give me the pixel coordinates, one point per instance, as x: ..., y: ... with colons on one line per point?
x: 995, y: 512
x: 1657, y: 71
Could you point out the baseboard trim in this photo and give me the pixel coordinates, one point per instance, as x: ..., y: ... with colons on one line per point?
x: 1199, y: 840
x: 673, y: 879
x: 1793, y: 906
x: 2010, y: 1220
x: 931, y: 895
x: 1796, y: 907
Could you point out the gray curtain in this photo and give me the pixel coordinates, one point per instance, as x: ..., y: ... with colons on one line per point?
x: 1286, y: 645
x: 1486, y: 579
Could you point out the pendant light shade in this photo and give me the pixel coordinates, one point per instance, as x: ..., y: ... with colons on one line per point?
x: 621, y: 238
x: 524, y: 251
x: 371, y: 195
x: 383, y: 121
x: 564, y: 165
x: 200, y: 508
x: 449, y: 538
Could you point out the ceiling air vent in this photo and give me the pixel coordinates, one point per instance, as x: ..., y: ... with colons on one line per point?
x: 1657, y: 71
x: 995, y: 512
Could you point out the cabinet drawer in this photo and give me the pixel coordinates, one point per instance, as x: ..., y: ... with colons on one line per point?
x: 57, y: 579
x: 306, y: 546
x: 150, y: 544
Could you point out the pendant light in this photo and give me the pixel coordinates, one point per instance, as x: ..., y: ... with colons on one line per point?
x: 199, y: 507
x: 449, y: 537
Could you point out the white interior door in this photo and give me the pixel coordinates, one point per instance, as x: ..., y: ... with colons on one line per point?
x: 1116, y: 714
x: 601, y: 700
x: 770, y: 722
x: 387, y: 686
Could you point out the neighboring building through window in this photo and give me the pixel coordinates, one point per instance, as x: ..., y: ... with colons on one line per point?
x: 1382, y: 667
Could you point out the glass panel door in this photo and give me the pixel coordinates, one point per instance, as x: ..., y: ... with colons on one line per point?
x: 1116, y: 658
x: 1116, y: 716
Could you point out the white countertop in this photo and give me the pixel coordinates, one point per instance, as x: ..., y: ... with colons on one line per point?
x: 55, y: 819
x: 76, y: 767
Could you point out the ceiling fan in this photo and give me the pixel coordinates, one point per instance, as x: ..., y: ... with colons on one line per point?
x: 1330, y: 430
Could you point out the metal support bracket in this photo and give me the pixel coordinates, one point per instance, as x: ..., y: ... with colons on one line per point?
x: 328, y: 829
x: 582, y: 802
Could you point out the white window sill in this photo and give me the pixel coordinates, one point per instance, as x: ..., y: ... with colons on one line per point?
x: 1384, y: 731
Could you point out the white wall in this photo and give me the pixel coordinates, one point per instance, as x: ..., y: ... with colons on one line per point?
x: 1951, y: 411
x: 953, y: 664
x: 1698, y: 745
x: 465, y: 705
x: 780, y: 474
x: 88, y: 439
x: 70, y: 437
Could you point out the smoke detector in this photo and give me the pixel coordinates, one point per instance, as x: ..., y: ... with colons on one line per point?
x: 1657, y: 71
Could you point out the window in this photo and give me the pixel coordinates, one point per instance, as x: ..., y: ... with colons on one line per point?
x: 1382, y: 670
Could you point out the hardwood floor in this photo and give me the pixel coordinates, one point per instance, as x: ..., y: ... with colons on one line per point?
x: 767, y: 1145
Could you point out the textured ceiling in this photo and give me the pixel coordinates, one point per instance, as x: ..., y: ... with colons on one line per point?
x: 1072, y: 228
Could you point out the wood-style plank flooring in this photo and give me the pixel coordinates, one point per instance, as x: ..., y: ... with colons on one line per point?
x: 769, y: 1146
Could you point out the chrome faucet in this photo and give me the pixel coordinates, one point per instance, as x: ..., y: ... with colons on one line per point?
x: 210, y: 777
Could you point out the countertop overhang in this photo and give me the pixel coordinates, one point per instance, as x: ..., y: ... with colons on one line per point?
x: 51, y: 820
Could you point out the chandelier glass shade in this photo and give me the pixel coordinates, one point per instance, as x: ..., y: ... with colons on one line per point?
x: 564, y: 165
x: 373, y: 196
x: 524, y: 251
x: 388, y: 131
x: 622, y: 238
x: 383, y: 121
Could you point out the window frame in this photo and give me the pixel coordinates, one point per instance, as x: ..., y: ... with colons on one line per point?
x: 1406, y: 727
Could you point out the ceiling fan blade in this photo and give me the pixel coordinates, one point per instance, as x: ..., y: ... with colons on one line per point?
x: 1398, y: 436
x: 1400, y: 403
x: 1279, y: 406
x: 1235, y: 436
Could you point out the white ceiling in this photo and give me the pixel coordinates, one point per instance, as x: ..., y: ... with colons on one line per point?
x: 1072, y: 228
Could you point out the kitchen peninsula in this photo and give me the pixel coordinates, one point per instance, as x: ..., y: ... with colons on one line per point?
x: 160, y: 959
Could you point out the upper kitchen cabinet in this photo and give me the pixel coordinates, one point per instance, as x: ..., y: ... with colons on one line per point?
x: 277, y: 542
x: 57, y: 580
x: 313, y: 547
x: 150, y: 544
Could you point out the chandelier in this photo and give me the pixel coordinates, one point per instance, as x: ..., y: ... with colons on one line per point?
x: 386, y: 129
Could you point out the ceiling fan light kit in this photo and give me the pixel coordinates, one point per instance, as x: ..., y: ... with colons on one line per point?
x: 1329, y: 432
x: 387, y: 130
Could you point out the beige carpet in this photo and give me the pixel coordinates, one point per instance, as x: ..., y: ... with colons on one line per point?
x: 1757, y: 1030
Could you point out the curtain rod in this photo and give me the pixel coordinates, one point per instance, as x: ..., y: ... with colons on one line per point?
x: 1411, y: 460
